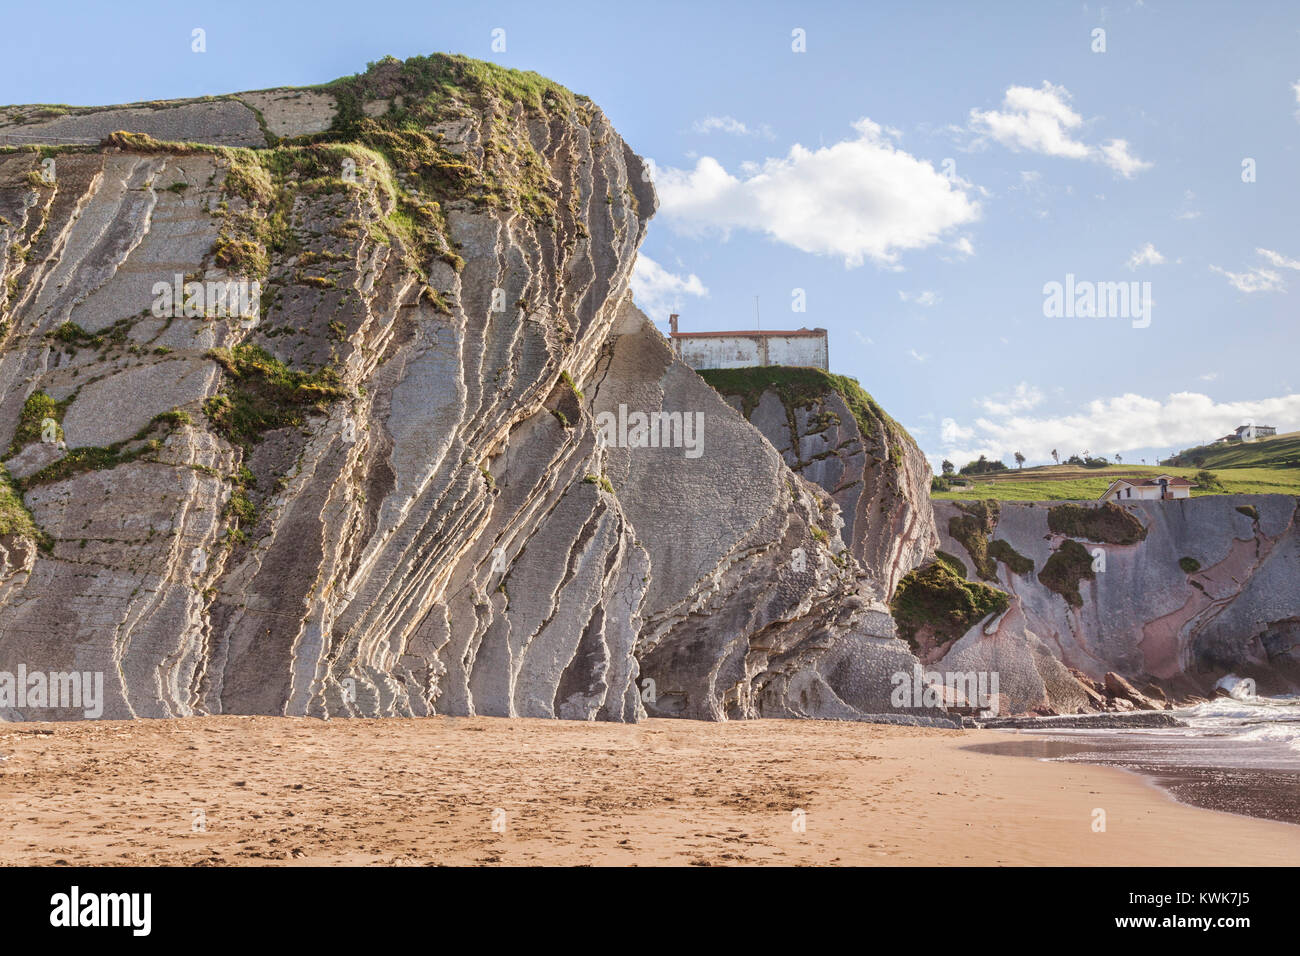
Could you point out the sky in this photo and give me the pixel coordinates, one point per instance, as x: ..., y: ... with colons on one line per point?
x: 913, y: 178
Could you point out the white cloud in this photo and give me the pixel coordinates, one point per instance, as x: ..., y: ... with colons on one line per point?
x: 1114, y: 153
x: 1279, y: 260
x: 926, y: 298
x: 919, y: 356
x: 1295, y: 88
x: 1209, y: 376
x: 1038, y: 121
x: 1146, y: 256
x: 658, y: 291
x: 1259, y: 278
x: 862, y: 198
x: 1109, y: 425
x: 1254, y: 280
x: 731, y: 126
x: 1022, y: 398
x: 1042, y: 121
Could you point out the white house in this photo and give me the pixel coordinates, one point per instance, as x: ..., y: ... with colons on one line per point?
x: 746, y: 349
x: 1160, y: 488
x: 1251, y: 432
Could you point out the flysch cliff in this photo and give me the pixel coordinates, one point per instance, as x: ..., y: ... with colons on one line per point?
x: 305, y: 408
x: 1170, y: 595
x: 834, y: 434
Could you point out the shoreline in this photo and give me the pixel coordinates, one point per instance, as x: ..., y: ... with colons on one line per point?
x: 296, y: 791
x: 1254, y: 792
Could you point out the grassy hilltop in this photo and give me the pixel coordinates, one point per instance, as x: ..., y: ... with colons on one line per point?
x: 1265, y: 466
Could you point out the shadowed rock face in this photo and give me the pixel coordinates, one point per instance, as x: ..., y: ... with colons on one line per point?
x: 385, y: 490
x: 869, y: 466
x: 1210, y: 590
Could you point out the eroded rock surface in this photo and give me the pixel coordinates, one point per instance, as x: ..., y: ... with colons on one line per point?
x: 382, y: 489
x: 1211, y: 588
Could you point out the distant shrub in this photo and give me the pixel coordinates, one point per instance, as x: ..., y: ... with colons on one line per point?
x: 1189, y: 565
x: 982, y: 466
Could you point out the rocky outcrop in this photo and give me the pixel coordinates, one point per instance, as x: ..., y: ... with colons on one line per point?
x: 835, y: 435
x: 1147, y: 601
x: 338, y: 426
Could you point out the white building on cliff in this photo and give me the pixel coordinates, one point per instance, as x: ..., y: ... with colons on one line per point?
x: 1159, y: 488
x: 745, y: 349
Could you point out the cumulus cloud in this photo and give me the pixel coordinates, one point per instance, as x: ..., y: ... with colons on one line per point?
x: 861, y: 198
x: 926, y: 298
x: 1260, y: 278
x: 1146, y: 256
x: 657, y: 291
x: 1042, y: 121
x: 1110, y: 425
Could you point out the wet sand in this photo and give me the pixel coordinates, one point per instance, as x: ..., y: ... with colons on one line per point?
x: 1271, y: 794
x: 284, y: 791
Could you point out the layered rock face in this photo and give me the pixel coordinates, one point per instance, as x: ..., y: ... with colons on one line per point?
x: 1178, y: 594
x: 833, y: 434
x: 347, y: 424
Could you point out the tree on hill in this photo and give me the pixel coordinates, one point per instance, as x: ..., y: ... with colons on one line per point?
x: 1020, y: 460
x: 948, y: 467
x: 1208, y: 481
x: 982, y: 466
x: 1055, y: 457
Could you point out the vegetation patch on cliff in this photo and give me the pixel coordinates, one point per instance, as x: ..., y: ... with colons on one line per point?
x: 937, y: 602
x: 972, y: 531
x: 1068, y: 565
x: 31, y: 420
x: 1017, y: 563
x: 1108, y: 523
x: 261, y: 393
x: 802, y: 387
x: 15, y: 519
x: 101, y: 458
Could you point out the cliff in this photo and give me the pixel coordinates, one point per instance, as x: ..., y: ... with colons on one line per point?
x: 1171, y: 595
x: 835, y: 435
x: 306, y: 402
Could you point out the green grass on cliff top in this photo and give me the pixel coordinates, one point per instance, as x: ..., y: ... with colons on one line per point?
x: 1281, y: 451
x: 426, y: 82
x: 1070, y: 483
x: 801, y: 386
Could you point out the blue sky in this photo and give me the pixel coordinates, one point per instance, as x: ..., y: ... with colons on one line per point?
x: 921, y: 172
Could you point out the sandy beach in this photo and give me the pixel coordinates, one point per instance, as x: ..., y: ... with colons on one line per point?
x: 282, y: 791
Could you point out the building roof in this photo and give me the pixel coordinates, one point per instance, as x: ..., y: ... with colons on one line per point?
x: 1171, y: 480
x: 764, y: 332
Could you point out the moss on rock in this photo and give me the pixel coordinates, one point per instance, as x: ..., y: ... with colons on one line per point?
x: 937, y: 601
